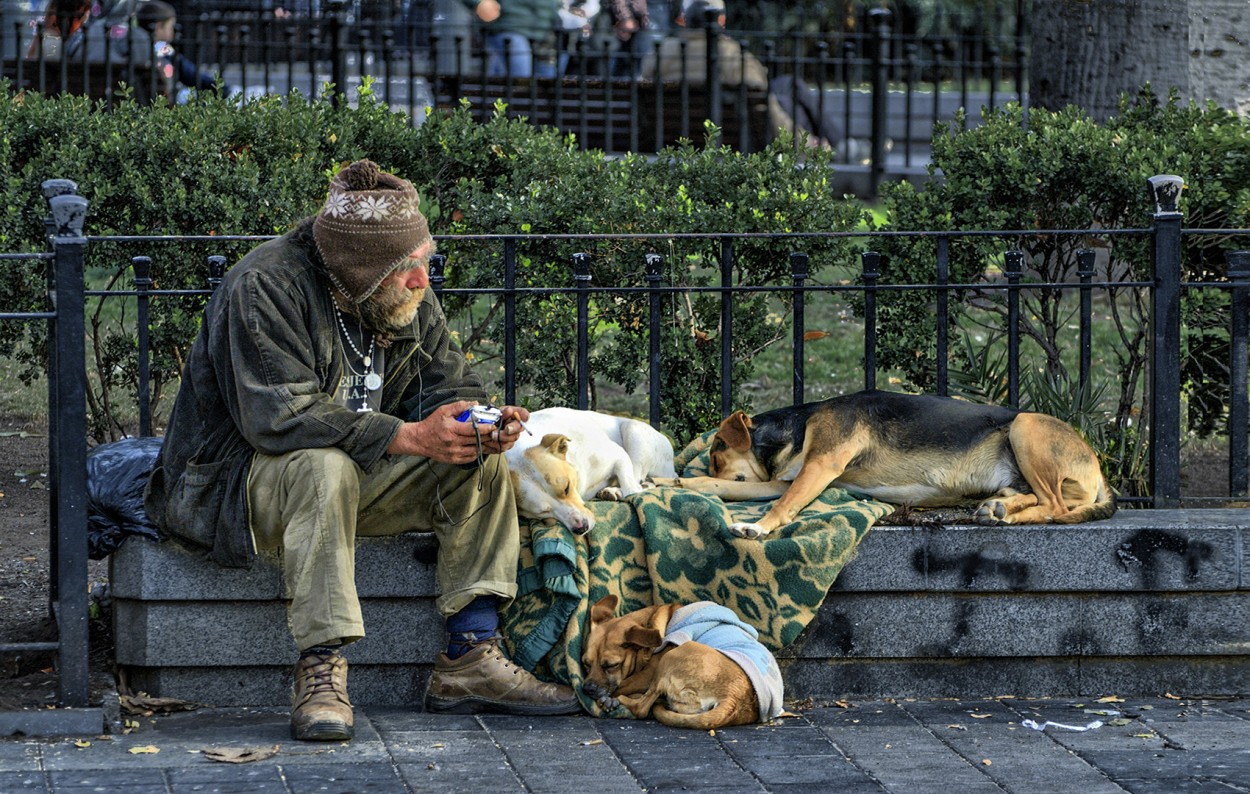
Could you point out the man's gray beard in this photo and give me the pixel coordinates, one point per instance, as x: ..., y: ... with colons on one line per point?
x: 390, y: 310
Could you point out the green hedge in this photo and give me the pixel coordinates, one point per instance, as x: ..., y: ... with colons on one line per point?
x: 215, y: 167
x: 1062, y: 170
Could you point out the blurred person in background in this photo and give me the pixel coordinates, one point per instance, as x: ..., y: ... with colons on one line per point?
x: 519, y: 36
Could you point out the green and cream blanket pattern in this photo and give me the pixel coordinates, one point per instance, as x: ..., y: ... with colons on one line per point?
x: 673, y: 545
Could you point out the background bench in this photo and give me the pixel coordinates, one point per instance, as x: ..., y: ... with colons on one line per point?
x: 610, y: 114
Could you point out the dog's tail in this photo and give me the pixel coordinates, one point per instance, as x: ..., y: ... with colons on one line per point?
x: 724, y: 713
x: 1103, y: 507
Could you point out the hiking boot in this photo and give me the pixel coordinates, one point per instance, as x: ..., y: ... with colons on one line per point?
x: 320, y: 710
x: 484, y: 679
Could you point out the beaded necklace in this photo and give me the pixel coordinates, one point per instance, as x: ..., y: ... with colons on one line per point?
x: 373, y: 381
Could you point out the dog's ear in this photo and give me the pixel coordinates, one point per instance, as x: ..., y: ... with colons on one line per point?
x: 644, y: 637
x: 735, y: 431
x: 556, y: 444
x: 604, y: 609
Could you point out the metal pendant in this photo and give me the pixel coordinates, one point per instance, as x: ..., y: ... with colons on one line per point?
x: 373, y: 381
x: 368, y: 362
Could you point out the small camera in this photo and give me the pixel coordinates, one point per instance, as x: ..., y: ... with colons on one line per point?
x: 481, y: 415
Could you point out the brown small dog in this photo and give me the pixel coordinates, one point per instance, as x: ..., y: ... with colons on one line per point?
x: 688, y: 685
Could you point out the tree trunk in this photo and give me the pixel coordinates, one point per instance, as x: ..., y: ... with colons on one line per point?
x: 1089, y: 52
x: 1219, y: 53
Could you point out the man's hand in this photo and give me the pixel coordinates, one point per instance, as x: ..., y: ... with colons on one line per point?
x: 508, y: 430
x: 488, y: 10
x: 441, y: 437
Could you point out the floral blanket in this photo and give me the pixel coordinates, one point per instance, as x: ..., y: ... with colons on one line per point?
x: 673, y: 545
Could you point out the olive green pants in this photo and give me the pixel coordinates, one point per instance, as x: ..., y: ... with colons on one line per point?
x: 313, y: 504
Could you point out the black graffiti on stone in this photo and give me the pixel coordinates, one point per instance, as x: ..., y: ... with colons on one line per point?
x: 1162, y: 625
x: 1080, y: 642
x: 832, y: 632
x: 961, y: 621
x: 971, y: 567
x: 1147, y: 550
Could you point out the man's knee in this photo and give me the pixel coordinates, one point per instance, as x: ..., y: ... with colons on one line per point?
x: 325, y: 470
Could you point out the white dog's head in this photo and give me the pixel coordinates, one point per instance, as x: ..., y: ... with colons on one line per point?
x: 547, y: 485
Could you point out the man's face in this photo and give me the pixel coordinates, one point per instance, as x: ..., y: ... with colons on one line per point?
x: 394, y: 303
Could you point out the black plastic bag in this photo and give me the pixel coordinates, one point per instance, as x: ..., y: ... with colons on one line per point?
x: 117, y: 473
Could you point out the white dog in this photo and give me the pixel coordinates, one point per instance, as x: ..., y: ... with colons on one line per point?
x: 577, y: 455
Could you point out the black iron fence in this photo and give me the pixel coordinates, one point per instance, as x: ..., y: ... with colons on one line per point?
x: 1162, y: 292
x: 67, y: 468
x: 871, y: 90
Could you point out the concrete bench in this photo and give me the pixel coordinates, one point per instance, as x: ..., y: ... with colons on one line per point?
x: 1150, y: 601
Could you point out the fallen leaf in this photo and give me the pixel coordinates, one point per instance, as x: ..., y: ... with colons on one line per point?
x: 82, y: 743
x: 712, y: 732
x: 590, y: 742
x: 145, y: 705
x: 812, y: 336
x: 986, y: 762
x: 240, y: 755
x: 843, y: 704
x: 438, y: 746
x: 1147, y: 708
x: 1118, y: 723
x: 1170, y: 696
x: 785, y: 714
x: 1110, y: 699
x: 149, y: 749
x: 980, y: 716
x: 957, y: 727
x: 1143, y: 736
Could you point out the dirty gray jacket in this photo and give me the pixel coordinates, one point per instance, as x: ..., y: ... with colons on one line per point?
x: 260, y: 378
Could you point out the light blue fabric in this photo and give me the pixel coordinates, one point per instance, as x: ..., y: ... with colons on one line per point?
x: 718, y: 627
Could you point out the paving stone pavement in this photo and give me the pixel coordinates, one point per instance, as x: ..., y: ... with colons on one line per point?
x: 1145, y: 745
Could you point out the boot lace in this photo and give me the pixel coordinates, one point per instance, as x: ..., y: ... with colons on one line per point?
x: 497, y: 652
x: 318, y: 677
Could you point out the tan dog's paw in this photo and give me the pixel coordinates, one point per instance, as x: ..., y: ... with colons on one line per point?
x: 601, y: 696
x: 991, y: 513
x: 667, y: 482
x: 610, y: 494
x: 748, y: 530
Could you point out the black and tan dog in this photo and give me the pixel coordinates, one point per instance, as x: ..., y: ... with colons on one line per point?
x: 906, y: 449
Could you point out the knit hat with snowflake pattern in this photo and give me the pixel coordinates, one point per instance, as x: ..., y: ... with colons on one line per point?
x: 369, y: 225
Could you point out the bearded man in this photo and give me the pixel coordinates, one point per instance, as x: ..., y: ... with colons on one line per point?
x: 319, y: 403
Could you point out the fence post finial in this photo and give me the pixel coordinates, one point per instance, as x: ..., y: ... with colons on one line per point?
x: 1166, y: 190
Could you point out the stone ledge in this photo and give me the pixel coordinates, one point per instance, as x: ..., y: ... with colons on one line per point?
x: 1135, y: 551
x: 1148, y: 601
x: 398, y: 567
x: 827, y: 679
x: 270, y: 685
